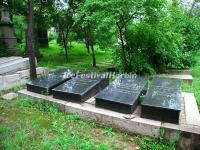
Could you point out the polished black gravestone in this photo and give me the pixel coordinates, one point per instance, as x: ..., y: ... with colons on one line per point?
x: 163, y: 103
x: 79, y: 89
x: 122, y: 95
x: 167, y: 83
x: 45, y: 84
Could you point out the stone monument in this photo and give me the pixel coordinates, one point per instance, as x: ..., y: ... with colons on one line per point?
x: 7, y: 34
x: 45, y: 84
x: 122, y: 95
x: 163, y: 100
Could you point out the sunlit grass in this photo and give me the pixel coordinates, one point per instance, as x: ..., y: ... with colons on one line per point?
x: 78, y: 58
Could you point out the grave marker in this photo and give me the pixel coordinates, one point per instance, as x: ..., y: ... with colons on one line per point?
x: 163, y: 100
x: 44, y: 85
x: 79, y: 89
x: 122, y: 95
x: 167, y: 83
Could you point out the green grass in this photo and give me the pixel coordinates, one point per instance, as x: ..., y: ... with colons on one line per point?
x: 31, y: 125
x: 195, y: 71
x: 78, y: 59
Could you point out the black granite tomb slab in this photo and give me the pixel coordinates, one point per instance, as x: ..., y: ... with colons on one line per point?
x: 79, y: 89
x: 165, y: 82
x: 122, y: 94
x: 45, y: 84
x: 163, y: 104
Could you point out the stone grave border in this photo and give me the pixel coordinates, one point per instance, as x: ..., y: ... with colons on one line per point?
x: 130, y: 123
x: 8, y: 81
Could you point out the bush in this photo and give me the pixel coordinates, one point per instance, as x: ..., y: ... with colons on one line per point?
x: 161, y: 41
x: 188, y: 26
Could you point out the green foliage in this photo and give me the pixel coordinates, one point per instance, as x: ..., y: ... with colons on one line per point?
x: 146, y: 36
x: 20, y: 27
x: 188, y: 26
x: 148, y: 144
x: 159, y: 144
x: 154, y: 35
x: 109, y: 132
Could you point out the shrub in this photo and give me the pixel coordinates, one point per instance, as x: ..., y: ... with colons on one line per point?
x: 161, y: 40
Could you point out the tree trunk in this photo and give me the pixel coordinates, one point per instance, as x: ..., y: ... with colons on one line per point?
x: 93, y: 56
x: 36, y: 48
x: 123, y: 47
x: 30, y: 42
x: 128, y: 51
x: 87, y: 42
x: 65, y: 44
x: 87, y: 45
x: 91, y: 44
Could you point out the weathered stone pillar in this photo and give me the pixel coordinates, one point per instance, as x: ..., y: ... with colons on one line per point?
x: 7, y: 34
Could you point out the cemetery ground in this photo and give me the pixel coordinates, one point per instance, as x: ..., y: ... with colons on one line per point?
x: 32, y: 125
x: 79, y: 59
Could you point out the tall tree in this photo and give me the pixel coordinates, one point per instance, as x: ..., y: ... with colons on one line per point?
x: 63, y: 18
x: 30, y: 41
x: 89, y: 24
x: 65, y: 22
x: 118, y: 14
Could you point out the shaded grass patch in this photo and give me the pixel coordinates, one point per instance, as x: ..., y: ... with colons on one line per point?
x: 28, y: 124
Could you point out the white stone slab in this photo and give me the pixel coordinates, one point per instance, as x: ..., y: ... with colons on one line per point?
x: 14, y: 66
x: 91, y: 100
x: 192, y: 115
x: 23, y: 81
x: 26, y: 73
x: 21, y: 77
x: 182, y: 77
x: 1, y: 82
x: 11, y: 81
x: 9, y: 96
x: 42, y: 70
x: 178, y: 71
x: 9, y: 59
x: 187, y: 78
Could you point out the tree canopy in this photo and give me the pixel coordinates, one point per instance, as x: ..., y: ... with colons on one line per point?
x: 146, y: 36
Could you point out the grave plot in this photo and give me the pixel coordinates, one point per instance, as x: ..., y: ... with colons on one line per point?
x: 163, y: 100
x: 44, y: 85
x: 79, y: 89
x: 9, y: 65
x: 122, y: 95
x: 9, y: 59
x: 164, y: 82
